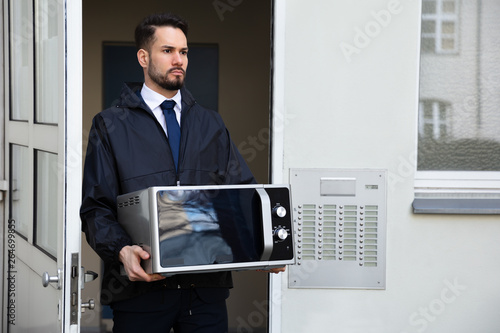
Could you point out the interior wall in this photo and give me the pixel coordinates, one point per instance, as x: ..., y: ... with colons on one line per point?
x: 243, y: 34
x: 242, y: 31
x: 350, y: 91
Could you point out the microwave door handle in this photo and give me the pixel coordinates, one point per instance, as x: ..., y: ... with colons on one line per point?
x: 267, y: 227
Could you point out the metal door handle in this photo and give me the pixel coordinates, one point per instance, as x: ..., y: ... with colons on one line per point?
x: 267, y: 225
x: 89, y: 305
x: 47, y: 279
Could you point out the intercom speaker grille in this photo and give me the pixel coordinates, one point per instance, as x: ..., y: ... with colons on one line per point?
x: 331, y: 232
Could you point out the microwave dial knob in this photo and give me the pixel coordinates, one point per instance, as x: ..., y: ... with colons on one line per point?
x: 279, y: 211
x: 280, y: 233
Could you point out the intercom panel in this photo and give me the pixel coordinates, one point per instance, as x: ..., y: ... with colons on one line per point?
x: 340, y: 219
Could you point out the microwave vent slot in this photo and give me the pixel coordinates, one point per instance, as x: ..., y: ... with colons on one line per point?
x: 130, y: 202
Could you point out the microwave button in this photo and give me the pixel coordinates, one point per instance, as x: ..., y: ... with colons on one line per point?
x: 280, y: 234
x: 279, y: 211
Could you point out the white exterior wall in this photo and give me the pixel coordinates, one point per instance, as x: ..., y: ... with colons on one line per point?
x: 442, y: 271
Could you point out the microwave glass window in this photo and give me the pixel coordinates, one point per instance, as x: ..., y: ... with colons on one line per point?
x: 209, y: 227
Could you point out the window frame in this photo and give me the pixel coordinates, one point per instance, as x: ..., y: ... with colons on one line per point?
x: 457, y: 184
x: 457, y: 192
x: 452, y: 192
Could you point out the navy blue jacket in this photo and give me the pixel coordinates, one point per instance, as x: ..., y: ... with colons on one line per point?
x: 128, y: 151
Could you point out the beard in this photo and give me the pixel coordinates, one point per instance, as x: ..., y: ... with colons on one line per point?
x: 162, y: 79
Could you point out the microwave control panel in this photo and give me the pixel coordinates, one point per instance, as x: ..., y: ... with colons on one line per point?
x: 339, y: 223
x: 281, y: 221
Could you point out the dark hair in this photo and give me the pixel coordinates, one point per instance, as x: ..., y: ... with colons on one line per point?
x: 144, y: 32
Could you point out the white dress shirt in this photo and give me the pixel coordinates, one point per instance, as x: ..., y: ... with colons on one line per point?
x: 153, y: 100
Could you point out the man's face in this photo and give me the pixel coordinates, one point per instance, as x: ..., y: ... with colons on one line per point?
x: 168, y: 58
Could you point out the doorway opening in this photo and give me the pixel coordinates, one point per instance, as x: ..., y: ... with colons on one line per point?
x: 236, y: 37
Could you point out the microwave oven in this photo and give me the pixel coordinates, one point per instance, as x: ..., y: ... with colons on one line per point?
x: 194, y: 229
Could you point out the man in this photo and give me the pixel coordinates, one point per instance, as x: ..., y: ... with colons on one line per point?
x: 131, y: 148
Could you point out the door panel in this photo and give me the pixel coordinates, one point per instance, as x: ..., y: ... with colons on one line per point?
x: 20, y: 197
x: 48, y: 45
x: 28, y: 302
x: 46, y: 184
x: 20, y: 14
x: 33, y: 253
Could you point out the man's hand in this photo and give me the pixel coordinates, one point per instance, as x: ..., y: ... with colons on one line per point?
x: 131, y: 257
x: 273, y: 270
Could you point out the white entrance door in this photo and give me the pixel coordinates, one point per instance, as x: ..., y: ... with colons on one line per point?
x: 42, y: 112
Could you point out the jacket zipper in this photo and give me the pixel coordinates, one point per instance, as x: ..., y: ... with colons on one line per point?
x: 178, y: 182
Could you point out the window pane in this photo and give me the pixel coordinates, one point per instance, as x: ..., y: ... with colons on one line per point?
x: 428, y: 130
x: 449, y: 7
x: 46, y: 202
x: 21, y: 58
x: 448, y: 27
x: 429, y: 27
x: 442, y: 112
x: 458, y: 155
x: 442, y: 130
x: 48, y: 51
x: 429, y: 7
x: 427, y: 110
x: 428, y: 45
x: 447, y: 43
x: 20, y: 194
x: 464, y: 135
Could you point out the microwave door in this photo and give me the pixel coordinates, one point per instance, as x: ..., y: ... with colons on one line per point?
x: 211, y: 227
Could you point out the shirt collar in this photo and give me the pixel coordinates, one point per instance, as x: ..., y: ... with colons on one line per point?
x: 154, y: 99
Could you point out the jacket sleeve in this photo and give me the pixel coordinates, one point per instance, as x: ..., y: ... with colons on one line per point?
x: 100, y: 189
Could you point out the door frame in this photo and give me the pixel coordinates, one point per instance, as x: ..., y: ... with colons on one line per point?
x: 277, y: 144
x: 73, y: 153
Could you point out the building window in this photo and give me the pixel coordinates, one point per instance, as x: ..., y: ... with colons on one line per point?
x: 458, y: 124
x: 439, y: 26
x: 433, y: 119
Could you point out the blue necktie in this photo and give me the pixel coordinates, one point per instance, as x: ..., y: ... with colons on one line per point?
x: 173, y: 129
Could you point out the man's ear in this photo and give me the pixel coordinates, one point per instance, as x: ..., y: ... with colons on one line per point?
x: 143, y: 58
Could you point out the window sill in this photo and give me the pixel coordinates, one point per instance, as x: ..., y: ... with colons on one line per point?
x: 456, y: 206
